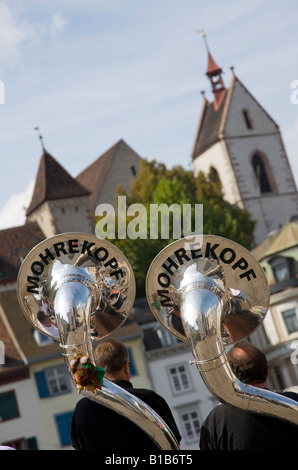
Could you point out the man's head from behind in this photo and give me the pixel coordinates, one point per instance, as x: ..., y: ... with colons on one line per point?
x: 249, y: 364
x: 43, y: 318
x: 112, y: 355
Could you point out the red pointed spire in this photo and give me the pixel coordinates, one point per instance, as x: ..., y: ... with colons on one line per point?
x: 212, y: 65
x: 214, y: 73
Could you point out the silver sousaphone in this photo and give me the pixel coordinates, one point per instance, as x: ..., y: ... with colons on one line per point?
x: 211, y: 292
x: 77, y: 289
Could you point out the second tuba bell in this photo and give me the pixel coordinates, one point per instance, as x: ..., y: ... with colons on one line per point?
x: 211, y: 292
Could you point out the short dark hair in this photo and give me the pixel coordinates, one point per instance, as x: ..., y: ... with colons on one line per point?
x: 111, y: 355
x: 42, y: 316
x: 248, y: 363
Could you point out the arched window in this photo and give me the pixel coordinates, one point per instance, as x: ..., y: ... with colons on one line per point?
x: 213, y: 175
x: 261, y: 175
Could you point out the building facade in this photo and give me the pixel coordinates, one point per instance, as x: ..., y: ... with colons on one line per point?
x: 278, y: 337
x: 242, y: 145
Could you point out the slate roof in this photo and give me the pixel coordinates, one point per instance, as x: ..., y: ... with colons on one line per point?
x: 209, y: 127
x: 145, y: 318
x: 95, y: 174
x: 212, y: 65
x: 53, y: 182
x: 142, y: 312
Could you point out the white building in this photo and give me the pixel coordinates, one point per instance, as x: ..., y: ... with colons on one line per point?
x: 240, y: 143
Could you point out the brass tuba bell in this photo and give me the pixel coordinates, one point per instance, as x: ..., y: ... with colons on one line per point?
x: 211, y: 292
x: 88, y: 287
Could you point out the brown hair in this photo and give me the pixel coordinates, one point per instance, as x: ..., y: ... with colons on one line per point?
x: 248, y: 363
x: 111, y: 355
x: 42, y: 316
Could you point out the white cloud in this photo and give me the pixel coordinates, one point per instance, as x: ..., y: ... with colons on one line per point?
x: 13, y: 32
x: 13, y: 212
x: 57, y: 25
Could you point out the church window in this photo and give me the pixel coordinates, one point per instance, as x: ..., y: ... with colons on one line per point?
x: 213, y: 174
x: 261, y: 174
x: 247, y: 119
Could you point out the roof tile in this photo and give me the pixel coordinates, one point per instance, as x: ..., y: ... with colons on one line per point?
x: 53, y: 182
x: 15, y: 244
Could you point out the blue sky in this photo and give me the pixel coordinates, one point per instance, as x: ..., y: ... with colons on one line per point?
x: 92, y: 72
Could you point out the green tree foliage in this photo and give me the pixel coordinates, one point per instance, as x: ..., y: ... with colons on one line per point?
x: 155, y: 184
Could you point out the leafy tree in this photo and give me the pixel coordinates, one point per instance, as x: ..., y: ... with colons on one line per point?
x: 155, y: 184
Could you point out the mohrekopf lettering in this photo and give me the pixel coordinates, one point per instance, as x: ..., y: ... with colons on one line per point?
x: 72, y: 246
x: 227, y: 255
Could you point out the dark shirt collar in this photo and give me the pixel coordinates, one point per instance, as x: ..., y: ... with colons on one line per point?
x: 123, y: 383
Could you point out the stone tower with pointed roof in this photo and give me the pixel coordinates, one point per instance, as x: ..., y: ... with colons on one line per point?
x: 240, y: 143
x: 59, y: 203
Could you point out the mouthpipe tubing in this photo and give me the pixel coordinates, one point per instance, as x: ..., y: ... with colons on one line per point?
x: 75, y: 337
x: 202, y: 311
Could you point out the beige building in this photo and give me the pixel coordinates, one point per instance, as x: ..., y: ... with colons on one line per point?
x: 278, y: 337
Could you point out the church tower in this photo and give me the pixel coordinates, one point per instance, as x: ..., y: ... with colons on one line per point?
x: 59, y: 203
x: 240, y: 143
